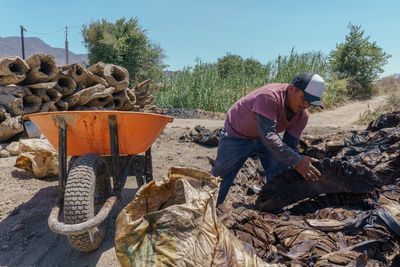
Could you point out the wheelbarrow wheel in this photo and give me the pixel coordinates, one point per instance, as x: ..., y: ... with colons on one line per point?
x: 87, y: 189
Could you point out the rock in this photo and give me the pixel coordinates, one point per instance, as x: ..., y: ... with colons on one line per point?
x: 17, y: 227
x: 37, y: 156
x: 13, y: 148
x: 4, y: 154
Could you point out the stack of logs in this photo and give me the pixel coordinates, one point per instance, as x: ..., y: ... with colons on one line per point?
x: 38, y: 85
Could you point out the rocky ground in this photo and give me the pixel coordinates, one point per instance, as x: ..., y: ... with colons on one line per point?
x: 25, y: 201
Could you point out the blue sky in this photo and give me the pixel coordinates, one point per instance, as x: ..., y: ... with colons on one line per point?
x: 208, y: 29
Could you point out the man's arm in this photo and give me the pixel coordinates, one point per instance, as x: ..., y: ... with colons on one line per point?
x: 291, y: 141
x: 283, y: 152
x: 272, y: 140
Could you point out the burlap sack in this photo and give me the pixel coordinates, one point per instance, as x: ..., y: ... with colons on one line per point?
x: 175, y: 224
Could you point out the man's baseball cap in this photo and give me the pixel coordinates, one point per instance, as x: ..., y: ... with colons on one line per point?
x: 312, y: 85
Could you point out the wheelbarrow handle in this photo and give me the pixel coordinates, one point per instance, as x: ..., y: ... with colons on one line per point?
x: 67, y: 229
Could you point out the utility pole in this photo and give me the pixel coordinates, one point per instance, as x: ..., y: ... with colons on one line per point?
x: 66, y: 45
x: 22, y: 41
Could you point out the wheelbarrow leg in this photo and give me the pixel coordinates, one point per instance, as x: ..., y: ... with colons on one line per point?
x: 62, y: 153
x: 148, y: 166
x: 112, y: 122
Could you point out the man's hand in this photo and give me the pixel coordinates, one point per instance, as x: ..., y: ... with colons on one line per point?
x: 307, y: 170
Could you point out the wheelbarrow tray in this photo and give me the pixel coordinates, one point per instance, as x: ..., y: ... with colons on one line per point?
x: 88, y: 131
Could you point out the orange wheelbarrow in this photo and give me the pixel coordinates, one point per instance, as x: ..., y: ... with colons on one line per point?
x: 86, y: 193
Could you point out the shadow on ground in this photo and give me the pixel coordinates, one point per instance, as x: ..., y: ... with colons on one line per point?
x: 26, y: 240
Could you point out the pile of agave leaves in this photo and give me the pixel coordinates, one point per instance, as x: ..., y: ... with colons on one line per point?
x: 350, y: 217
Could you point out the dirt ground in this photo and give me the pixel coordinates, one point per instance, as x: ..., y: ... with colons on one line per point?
x: 25, y: 201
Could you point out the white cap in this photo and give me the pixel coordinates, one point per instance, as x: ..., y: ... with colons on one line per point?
x: 312, y: 85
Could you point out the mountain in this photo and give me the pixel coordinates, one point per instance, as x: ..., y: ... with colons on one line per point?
x: 11, y: 46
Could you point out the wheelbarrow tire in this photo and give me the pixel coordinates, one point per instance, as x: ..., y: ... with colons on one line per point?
x: 87, y: 189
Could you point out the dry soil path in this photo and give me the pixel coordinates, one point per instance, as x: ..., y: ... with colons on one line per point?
x: 342, y: 118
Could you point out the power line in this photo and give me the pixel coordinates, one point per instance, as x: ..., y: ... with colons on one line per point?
x: 62, y: 29
x: 44, y: 33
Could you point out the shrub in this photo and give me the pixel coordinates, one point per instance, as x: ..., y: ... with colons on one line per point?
x: 359, y: 60
x: 335, y: 93
x: 392, y: 103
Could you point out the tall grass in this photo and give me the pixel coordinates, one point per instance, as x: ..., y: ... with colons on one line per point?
x: 285, y: 68
x: 335, y: 93
x: 201, y: 86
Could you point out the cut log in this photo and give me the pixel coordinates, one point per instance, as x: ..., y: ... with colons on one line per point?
x: 31, y: 103
x: 84, y: 95
x: 47, y: 85
x: 13, y: 66
x: 76, y: 72
x: 142, y: 84
x: 41, y: 92
x: 100, y: 102
x: 53, y: 94
x: 93, y: 79
x: 48, y: 106
x: 17, y: 91
x: 42, y: 68
x: 47, y: 94
x: 62, y: 105
x: 13, y: 105
x: 10, y: 127
x: 100, y: 99
x: 65, y: 84
x: 116, y: 76
x: 132, y: 99
x: 119, y: 99
x: 122, y: 100
x: 144, y: 99
x: 12, y: 70
x: 81, y: 76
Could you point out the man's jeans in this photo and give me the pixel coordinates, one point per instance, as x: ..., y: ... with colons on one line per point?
x: 232, y: 154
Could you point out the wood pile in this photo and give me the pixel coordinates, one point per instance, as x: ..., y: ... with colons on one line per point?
x: 38, y: 85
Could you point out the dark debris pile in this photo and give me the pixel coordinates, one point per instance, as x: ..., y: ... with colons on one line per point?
x: 350, y: 217
x: 202, y: 136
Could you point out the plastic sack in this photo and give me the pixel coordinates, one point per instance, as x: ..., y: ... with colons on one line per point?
x: 175, y: 224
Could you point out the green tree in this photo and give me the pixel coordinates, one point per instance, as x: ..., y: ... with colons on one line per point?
x: 126, y: 44
x: 252, y: 67
x: 358, y: 60
x: 230, y: 64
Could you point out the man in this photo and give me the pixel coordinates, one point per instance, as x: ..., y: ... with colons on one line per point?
x: 252, y: 126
